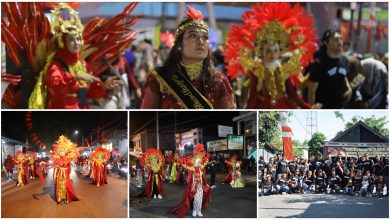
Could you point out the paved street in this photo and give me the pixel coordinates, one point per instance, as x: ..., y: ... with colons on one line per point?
x: 322, y: 206
x: 35, y: 200
x: 225, y: 201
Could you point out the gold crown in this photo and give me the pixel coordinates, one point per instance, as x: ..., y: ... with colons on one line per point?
x: 64, y: 20
x: 191, y: 24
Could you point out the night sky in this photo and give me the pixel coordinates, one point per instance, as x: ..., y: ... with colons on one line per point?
x: 55, y: 123
x: 185, y: 120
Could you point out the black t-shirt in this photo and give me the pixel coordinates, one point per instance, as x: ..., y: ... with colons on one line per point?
x: 309, y: 181
x: 330, y: 74
x: 267, y: 184
x: 319, y: 164
x: 282, y: 181
x: 272, y: 174
x: 292, y: 166
x: 319, y: 180
x: 261, y: 167
x: 386, y: 170
x: 282, y: 166
x: 367, y: 164
x: 334, y: 180
x: 345, y: 179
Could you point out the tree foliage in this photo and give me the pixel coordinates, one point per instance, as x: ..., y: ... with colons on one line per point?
x: 269, y: 126
x: 315, y: 143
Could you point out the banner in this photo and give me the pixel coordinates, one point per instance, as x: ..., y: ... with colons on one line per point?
x: 286, y: 136
x: 235, y: 142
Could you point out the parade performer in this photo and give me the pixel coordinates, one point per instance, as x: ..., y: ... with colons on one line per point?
x: 188, y: 79
x: 100, y: 157
x: 237, y: 181
x: 177, y: 171
x: 32, y: 167
x: 63, y: 154
x: 230, y: 163
x: 20, y: 160
x: 197, y: 193
x: 272, y: 46
x: 153, y: 160
x: 61, y: 59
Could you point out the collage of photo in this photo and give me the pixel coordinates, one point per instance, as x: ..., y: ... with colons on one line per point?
x: 235, y: 109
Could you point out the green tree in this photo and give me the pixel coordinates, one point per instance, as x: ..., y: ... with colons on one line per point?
x: 269, y: 126
x: 315, y: 143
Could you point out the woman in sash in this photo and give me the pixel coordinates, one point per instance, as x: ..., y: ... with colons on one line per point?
x: 188, y: 79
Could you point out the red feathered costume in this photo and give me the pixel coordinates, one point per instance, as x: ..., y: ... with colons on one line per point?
x: 99, y: 159
x: 63, y: 187
x: 153, y: 159
x: 285, y: 29
x: 21, y: 161
x: 196, y: 178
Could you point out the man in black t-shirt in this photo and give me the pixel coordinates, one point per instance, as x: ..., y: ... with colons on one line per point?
x: 328, y: 83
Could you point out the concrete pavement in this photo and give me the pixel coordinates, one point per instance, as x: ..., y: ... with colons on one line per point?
x: 322, y: 206
x: 225, y: 201
x: 37, y: 201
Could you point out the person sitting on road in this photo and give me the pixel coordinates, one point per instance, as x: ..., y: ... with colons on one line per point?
x: 280, y: 184
x: 357, y: 182
x: 293, y: 182
x: 268, y: 187
x: 334, y: 182
x: 308, y: 182
x: 320, y: 181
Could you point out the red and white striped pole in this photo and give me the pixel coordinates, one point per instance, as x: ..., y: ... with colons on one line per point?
x: 286, y: 136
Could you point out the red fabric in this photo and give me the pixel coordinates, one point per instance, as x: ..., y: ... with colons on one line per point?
x: 123, y: 67
x: 229, y: 177
x: 70, y: 192
x: 287, y: 148
x: 259, y: 101
x: 220, y: 94
x: 59, y: 83
x: 149, y: 184
x: 182, y: 208
x: 180, y: 173
x: 100, y: 175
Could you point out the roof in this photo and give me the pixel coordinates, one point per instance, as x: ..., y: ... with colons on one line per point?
x: 360, y: 133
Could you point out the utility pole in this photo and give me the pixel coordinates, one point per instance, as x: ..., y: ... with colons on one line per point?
x: 311, y: 124
x: 157, y: 131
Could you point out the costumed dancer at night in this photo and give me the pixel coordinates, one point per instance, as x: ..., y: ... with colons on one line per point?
x: 237, y: 181
x: 63, y: 59
x: 230, y: 163
x: 100, y: 157
x: 272, y: 46
x: 64, y: 152
x: 153, y: 160
x: 20, y: 160
x: 198, y: 192
x: 177, y: 172
x: 188, y: 79
x: 32, y: 167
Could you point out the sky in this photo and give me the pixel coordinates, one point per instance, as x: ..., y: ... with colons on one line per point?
x: 327, y: 123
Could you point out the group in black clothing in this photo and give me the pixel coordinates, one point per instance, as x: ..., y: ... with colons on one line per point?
x: 360, y: 176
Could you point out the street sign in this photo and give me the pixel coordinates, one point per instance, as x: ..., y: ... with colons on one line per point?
x: 235, y: 142
x: 223, y: 131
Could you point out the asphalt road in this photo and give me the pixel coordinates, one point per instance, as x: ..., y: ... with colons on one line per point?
x: 322, y: 206
x: 37, y: 201
x: 225, y: 201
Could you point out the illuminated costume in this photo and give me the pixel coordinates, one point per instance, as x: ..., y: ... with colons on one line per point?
x: 197, y: 191
x: 63, y: 154
x: 99, y: 158
x: 230, y: 163
x: 187, y: 86
x: 40, y: 47
x: 153, y: 160
x: 32, y: 167
x: 177, y: 170
x: 272, y: 84
x: 20, y: 160
x: 237, y: 181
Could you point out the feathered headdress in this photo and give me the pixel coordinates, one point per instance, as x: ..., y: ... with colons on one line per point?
x: 199, y: 154
x: 32, y: 155
x: 194, y: 19
x: 65, y: 151
x: 64, y: 20
x: 279, y: 23
x: 153, y: 159
x: 100, y: 155
x: 20, y: 156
